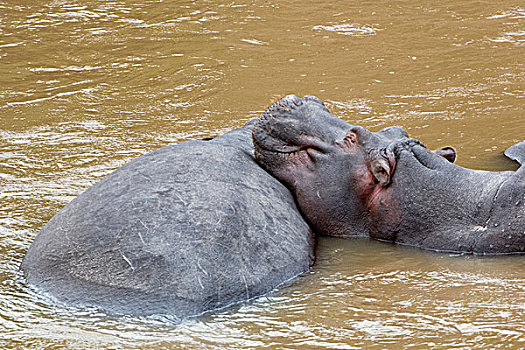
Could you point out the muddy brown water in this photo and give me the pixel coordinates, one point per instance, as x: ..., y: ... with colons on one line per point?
x: 87, y: 86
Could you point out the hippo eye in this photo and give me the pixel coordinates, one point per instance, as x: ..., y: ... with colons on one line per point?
x: 313, y: 152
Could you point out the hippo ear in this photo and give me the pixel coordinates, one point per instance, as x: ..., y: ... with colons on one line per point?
x: 517, y: 152
x: 448, y: 153
x: 381, y: 170
x: 380, y: 167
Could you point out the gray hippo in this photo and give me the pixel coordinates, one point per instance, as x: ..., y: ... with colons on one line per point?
x: 182, y: 230
x: 352, y: 182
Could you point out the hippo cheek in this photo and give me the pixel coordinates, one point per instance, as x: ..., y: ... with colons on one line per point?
x: 335, y: 204
x: 295, y: 169
x: 331, y: 214
x: 385, y: 214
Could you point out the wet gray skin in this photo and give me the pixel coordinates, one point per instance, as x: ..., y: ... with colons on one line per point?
x: 352, y: 182
x: 182, y: 230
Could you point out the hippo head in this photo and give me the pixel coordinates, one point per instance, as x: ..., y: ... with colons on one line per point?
x: 332, y: 167
x: 340, y: 174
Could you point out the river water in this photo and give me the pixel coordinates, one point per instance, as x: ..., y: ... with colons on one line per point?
x: 87, y: 86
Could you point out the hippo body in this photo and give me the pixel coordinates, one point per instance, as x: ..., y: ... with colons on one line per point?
x: 182, y: 230
x: 351, y: 182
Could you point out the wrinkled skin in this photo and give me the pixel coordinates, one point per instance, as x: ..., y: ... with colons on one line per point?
x: 351, y: 182
x: 182, y: 230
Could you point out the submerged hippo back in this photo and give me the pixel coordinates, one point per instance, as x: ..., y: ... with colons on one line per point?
x: 182, y: 230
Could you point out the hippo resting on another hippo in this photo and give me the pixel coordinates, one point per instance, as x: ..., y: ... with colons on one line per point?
x: 182, y: 230
x: 351, y: 182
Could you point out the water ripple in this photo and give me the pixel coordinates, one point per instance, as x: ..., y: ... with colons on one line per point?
x: 352, y: 29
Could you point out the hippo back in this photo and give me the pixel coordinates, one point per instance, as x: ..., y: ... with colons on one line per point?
x: 182, y: 230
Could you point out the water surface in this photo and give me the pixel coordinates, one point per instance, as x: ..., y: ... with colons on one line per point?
x: 87, y: 86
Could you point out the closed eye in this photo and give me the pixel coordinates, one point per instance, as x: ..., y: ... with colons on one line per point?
x: 313, y: 152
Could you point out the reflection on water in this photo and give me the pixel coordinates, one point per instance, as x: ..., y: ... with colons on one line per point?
x: 88, y: 86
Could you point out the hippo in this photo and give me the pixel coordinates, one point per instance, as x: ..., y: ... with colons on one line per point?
x: 181, y: 231
x: 351, y: 182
